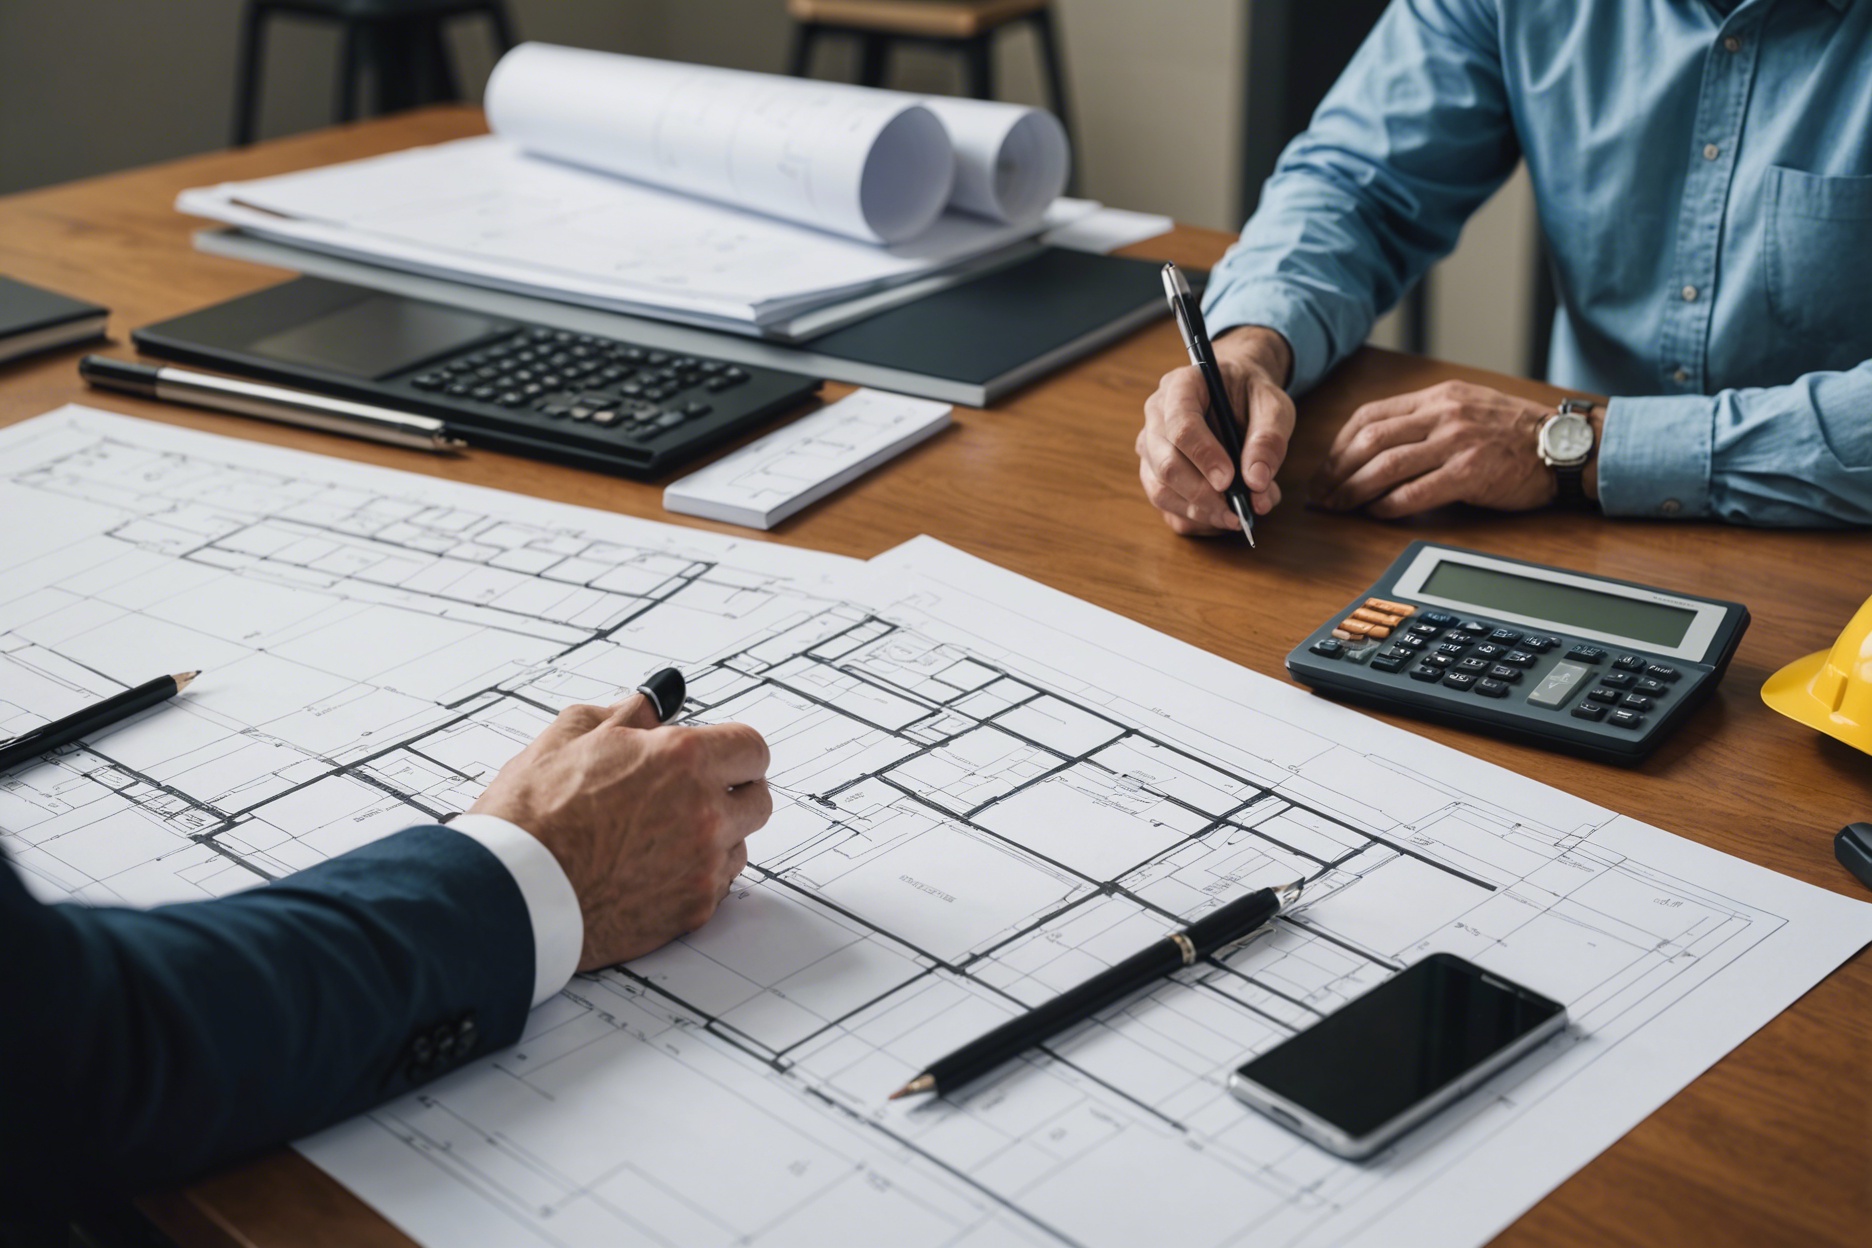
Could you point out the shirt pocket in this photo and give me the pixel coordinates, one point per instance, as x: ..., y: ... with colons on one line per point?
x: 1819, y: 259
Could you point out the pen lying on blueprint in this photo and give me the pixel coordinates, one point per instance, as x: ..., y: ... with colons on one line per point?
x: 1221, y: 412
x: 289, y: 407
x: 1174, y: 952
x: 79, y: 724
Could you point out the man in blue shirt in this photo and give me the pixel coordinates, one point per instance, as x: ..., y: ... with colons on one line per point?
x: 1704, y: 175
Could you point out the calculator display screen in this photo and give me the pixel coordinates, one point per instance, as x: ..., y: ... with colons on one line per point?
x: 1490, y: 590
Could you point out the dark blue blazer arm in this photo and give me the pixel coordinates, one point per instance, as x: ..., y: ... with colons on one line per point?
x: 143, y: 1047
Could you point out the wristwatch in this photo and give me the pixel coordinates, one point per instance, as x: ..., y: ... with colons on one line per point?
x: 1566, y: 444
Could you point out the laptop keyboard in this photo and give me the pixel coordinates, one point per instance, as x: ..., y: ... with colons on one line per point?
x: 581, y: 378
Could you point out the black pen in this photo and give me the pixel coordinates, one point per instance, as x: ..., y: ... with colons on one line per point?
x: 1174, y: 952
x: 1221, y: 412
x: 95, y: 718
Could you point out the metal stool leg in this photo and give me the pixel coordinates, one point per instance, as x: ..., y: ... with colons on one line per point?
x: 397, y: 64
x: 437, y: 81
x: 503, y: 27
x: 873, y: 59
x: 350, y: 62
x: 799, y: 62
x: 1046, y: 31
x: 978, y: 63
x: 247, y: 81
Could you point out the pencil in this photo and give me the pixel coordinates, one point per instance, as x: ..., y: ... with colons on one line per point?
x: 94, y: 718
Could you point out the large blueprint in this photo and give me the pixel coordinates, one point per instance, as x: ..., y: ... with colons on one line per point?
x: 985, y: 790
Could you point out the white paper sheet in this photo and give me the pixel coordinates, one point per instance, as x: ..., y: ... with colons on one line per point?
x: 1105, y: 230
x: 984, y: 791
x: 803, y: 461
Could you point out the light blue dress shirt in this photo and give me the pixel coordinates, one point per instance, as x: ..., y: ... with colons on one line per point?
x: 1704, y: 176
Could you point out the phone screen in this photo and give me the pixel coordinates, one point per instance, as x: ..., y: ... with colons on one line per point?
x: 1363, y: 1065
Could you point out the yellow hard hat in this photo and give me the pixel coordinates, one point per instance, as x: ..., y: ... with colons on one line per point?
x: 1831, y: 690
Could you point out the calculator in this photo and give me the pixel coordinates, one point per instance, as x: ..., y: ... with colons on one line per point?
x: 1579, y: 663
x: 584, y: 399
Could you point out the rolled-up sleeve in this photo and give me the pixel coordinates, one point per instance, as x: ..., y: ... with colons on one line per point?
x: 1799, y: 454
x: 1414, y: 137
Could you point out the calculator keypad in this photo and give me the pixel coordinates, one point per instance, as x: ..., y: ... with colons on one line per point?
x: 583, y: 378
x: 1476, y: 657
x: 1375, y: 619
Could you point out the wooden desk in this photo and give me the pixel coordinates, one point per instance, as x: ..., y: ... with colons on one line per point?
x: 1772, y: 1146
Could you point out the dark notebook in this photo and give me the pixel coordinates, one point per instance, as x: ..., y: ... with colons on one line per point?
x: 32, y: 319
x: 996, y: 332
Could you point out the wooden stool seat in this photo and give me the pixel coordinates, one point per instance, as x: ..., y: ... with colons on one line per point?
x: 927, y: 19
x: 965, y: 26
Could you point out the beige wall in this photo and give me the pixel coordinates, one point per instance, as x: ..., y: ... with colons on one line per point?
x: 87, y: 86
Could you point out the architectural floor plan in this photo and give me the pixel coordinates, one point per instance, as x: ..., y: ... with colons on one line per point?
x: 985, y: 790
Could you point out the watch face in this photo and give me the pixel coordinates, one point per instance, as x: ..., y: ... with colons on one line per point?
x: 1567, y: 439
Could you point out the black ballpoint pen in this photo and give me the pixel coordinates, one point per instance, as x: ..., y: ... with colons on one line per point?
x: 114, y: 709
x: 1221, y: 412
x: 1175, y: 951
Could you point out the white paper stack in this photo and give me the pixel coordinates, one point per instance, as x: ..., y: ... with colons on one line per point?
x: 718, y: 197
x: 766, y: 481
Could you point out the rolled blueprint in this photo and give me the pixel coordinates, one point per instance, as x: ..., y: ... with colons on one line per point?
x: 874, y: 165
x: 1011, y: 161
x: 869, y: 164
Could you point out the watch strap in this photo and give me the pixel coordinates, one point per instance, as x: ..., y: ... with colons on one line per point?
x: 1570, y: 480
x: 1571, y: 484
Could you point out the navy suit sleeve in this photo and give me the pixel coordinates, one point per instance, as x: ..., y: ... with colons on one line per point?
x: 143, y: 1047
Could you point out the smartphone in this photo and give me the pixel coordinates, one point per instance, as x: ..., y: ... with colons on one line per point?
x: 1386, y: 1061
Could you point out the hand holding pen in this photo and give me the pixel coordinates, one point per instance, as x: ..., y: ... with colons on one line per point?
x: 649, y: 819
x: 1186, y: 468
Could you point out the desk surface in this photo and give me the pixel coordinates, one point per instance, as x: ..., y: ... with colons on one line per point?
x: 1771, y: 1146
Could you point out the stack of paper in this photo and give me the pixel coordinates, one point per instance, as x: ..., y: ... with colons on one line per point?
x: 712, y: 196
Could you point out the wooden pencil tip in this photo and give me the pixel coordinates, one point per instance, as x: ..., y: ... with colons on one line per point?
x: 184, y: 679
x: 922, y: 1083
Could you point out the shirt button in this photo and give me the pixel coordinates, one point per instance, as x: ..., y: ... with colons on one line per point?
x: 1711, y: 151
x: 1680, y: 376
x: 1732, y: 44
x: 1670, y: 507
x: 1689, y: 294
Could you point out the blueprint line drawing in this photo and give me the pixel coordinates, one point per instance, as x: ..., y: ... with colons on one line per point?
x: 984, y: 792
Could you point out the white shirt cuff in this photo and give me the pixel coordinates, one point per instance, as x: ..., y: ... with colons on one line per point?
x: 558, y: 926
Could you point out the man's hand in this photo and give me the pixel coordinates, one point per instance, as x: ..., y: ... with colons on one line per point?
x: 1453, y: 443
x: 649, y: 823
x: 1183, y: 467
